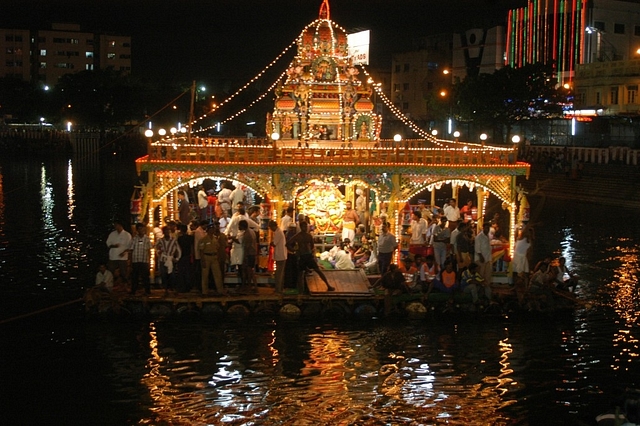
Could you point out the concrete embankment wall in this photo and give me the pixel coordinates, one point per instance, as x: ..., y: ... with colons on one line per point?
x: 602, y: 184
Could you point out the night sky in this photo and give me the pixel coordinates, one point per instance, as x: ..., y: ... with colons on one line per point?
x: 234, y: 39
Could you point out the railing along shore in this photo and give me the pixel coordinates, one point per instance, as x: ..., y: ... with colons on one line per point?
x: 593, y: 155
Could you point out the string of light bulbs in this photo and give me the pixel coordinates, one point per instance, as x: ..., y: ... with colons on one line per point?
x: 399, y: 115
x: 246, y: 85
x: 243, y: 110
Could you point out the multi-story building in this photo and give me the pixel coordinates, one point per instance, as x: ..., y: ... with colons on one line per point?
x: 477, y: 51
x: 14, y: 54
x: 46, y: 55
x: 571, y: 32
x: 608, y: 88
x: 419, y: 74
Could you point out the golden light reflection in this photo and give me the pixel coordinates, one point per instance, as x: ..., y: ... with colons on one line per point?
x: 158, y: 384
x: 274, y: 352
x: 505, y: 371
x: 625, y: 303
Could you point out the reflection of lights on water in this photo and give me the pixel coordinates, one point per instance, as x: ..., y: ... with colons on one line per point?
x: 157, y: 383
x: 274, y: 352
x: 71, y: 205
x: 567, y: 243
x: 624, y: 301
x: 53, y: 257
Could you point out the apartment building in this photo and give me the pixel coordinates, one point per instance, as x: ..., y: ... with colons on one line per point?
x: 46, y: 55
x: 14, y: 54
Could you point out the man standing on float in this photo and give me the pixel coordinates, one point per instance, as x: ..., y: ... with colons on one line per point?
x: 302, y: 243
x: 350, y: 220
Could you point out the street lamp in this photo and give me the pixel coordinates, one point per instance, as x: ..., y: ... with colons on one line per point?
x: 514, y: 155
x: 397, y: 137
x: 456, y: 134
x: 434, y: 132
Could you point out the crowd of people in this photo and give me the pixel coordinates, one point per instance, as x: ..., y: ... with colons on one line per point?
x: 445, y: 253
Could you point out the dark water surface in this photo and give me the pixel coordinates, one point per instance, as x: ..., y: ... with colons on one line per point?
x: 58, y: 367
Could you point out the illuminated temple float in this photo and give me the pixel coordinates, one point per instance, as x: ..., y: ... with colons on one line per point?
x: 323, y: 148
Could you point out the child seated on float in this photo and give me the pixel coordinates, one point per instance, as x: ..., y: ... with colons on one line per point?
x: 428, y: 273
x: 448, y: 281
x: 392, y: 281
x: 471, y: 281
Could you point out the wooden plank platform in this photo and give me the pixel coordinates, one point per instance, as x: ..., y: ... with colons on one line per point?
x: 351, y: 282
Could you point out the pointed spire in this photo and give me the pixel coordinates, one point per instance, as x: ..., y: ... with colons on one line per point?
x: 324, y: 10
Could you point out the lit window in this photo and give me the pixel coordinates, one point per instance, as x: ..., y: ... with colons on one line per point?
x: 43, y: 65
x: 43, y: 52
x: 88, y: 54
x: 112, y: 43
x: 111, y: 55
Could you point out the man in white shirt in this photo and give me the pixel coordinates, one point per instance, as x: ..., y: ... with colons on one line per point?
x: 452, y: 212
x: 118, y: 242
x: 203, y: 202
x: 287, y: 219
x: 417, y: 244
x: 232, y: 228
x: 237, y: 197
x: 483, y: 258
x: 279, y: 244
x: 224, y: 198
x: 104, y: 278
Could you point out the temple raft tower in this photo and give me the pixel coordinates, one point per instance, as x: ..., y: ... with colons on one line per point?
x: 323, y: 148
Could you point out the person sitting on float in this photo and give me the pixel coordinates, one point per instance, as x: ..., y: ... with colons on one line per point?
x: 429, y: 271
x: 447, y: 282
x: 362, y: 258
x: 540, y: 286
x: 343, y: 258
x: 393, y: 281
x: 563, y: 277
x: 471, y: 281
x: 104, y: 279
x: 360, y: 237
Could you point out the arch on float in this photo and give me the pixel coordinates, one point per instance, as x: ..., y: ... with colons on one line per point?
x: 198, y: 180
x: 471, y: 184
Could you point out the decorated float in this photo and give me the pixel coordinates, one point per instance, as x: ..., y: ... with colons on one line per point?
x: 322, y: 148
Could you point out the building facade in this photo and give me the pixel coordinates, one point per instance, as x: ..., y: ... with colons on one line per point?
x: 477, y: 51
x: 46, y: 55
x: 608, y: 88
x: 571, y: 32
x: 418, y: 75
x: 14, y: 54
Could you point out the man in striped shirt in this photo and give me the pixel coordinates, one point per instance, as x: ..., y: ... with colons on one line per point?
x: 140, y: 250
